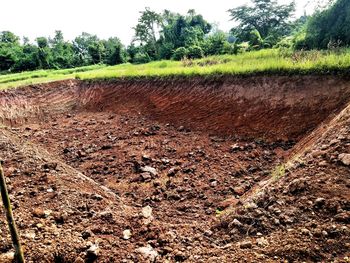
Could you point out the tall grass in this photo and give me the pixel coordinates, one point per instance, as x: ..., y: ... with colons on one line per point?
x: 270, y: 61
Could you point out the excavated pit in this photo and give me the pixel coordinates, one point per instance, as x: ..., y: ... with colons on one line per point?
x: 188, y: 148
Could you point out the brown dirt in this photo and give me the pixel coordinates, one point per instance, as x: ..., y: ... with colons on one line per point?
x: 74, y: 154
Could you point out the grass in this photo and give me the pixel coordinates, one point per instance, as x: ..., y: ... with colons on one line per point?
x: 268, y: 62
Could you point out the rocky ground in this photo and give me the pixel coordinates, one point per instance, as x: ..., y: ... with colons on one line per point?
x: 116, y: 186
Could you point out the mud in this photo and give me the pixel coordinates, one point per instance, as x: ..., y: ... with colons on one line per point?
x: 233, y: 169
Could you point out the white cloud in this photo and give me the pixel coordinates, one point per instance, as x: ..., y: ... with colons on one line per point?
x: 105, y: 18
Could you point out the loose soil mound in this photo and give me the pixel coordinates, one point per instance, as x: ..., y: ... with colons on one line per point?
x: 216, y: 170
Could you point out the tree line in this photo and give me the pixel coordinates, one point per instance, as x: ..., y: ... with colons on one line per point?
x: 168, y: 35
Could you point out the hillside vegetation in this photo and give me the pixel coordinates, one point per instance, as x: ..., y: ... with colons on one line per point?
x: 268, y: 61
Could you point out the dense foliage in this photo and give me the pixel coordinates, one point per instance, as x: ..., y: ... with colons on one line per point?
x: 328, y: 28
x: 168, y: 35
x: 263, y: 23
x: 56, y: 53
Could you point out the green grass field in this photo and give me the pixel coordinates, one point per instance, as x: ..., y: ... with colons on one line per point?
x: 267, y: 62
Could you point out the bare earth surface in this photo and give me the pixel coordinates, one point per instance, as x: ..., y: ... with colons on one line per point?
x: 105, y: 183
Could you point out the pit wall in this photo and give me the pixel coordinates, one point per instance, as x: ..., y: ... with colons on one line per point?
x: 268, y: 108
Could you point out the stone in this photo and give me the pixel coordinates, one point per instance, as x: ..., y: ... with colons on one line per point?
x: 7, y: 257
x: 126, y: 234
x: 92, y: 252
x: 232, y: 201
x: 245, y: 244
x: 319, y: 202
x: 344, y: 158
x: 214, y: 183
x: 239, y: 190
x: 262, y: 242
x: 148, y: 252
x: 306, y: 232
x: 147, y: 215
x: 38, y: 212
x: 146, y: 177
x: 97, y: 197
x: 172, y: 171
x: 79, y: 260
x: 149, y: 169
x: 234, y: 148
x: 323, y: 164
x: 86, y: 234
x: 147, y: 211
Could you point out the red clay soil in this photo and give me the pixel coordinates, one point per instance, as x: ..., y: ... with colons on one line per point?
x: 179, y: 170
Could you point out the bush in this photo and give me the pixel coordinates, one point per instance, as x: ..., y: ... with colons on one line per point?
x: 195, y: 52
x: 141, y: 58
x: 180, y: 53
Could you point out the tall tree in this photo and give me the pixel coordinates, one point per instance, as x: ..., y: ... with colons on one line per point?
x: 146, y: 31
x: 270, y: 19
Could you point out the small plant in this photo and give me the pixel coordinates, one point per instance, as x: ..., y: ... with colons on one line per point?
x: 279, y: 171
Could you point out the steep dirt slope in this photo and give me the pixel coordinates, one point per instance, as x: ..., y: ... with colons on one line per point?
x: 303, y: 212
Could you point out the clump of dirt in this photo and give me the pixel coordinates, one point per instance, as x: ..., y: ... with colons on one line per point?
x: 219, y: 170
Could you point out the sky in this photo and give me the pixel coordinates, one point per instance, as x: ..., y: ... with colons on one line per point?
x: 106, y: 18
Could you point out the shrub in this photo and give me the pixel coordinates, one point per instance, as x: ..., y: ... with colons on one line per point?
x: 141, y: 58
x: 180, y: 53
x: 195, y: 52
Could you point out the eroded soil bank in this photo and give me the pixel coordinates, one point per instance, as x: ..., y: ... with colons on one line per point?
x: 195, y: 170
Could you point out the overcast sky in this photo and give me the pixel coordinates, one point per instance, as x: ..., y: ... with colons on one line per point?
x: 105, y: 18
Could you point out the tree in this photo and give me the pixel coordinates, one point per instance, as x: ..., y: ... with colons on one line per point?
x: 269, y: 18
x: 62, y: 52
x: 44, y: 53
x: 114, y: 51
x: 88, y: 48
x: 8, y: 37
x: 328, y: 28
x: 146, y: 31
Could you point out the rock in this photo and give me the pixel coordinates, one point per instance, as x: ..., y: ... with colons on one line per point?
x: 319, y: 202
x: 239, y: 190
x: 30, y: 235
x: 97, y: 197
x: 306, y: 232
x: 323, y: 164
x: 106, y: 147
x: 39, y: 212
x: 344, y: 158
x: 60, y: 217
x: 146, y: 158
x: 149, y: 169
x: 148, y: 252
x: 50, y: 166
x: 172, y: 171
x: 214, y: 183
x: 236, y: 223
x: 262, y: 242
x: 245, y: 244
x: 126, y: 234
x: 79, y: 260
x: 343, y: 217
x: 146, y: 177
x: 106, y: 215
x: 234, y: 148
x: 7, y: 257
x: 92, y: 252
x: 86, y: 234
x: 228, y: 202
x: 147, y: 212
